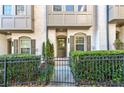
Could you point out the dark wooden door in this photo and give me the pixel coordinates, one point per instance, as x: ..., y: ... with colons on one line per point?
x: 61, y: 47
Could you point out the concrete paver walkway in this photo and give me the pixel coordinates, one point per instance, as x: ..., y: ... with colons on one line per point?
x: 62, y: 74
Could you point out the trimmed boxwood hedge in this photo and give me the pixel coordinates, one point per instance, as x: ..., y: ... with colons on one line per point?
x: 98, y: 66
x: 21, y: 68
x: 96, y: 53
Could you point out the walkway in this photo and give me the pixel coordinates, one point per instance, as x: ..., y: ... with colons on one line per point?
x: 62, y: 74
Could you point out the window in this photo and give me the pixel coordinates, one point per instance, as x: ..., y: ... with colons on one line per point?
x: 69, y: 8
x: 20, y: 9
x: 61, y: 43
x: 82, y: 8
x: 57, y: 8
x: 7, y: 10
x: 80, y: 42
x: 25, y: 45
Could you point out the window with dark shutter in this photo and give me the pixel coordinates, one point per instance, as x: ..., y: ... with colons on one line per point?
x: 80, y: 42
x: 33, y: 48
x: 25, y: 45
x: 71, y: 43
x: 15, y: 46
x: 88, y: 43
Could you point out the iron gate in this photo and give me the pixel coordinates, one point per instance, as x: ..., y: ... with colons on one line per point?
x: 62, y: 75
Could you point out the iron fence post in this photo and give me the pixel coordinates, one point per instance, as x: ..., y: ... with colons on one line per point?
x: 77, y: 81
x: 123, y: 68
x: 5, y: 72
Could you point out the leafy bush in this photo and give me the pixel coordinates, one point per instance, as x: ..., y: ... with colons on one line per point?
x: 21, y: 68
x: 98, y: 66
x: 118, y: 44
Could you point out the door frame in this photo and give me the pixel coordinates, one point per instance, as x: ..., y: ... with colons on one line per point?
x: 62, y: 37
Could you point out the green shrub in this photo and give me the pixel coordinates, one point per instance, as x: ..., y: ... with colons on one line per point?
x: 49, y: 49
x: 43, y: 49
x: 118, y: 44
x: 48, y: 69
x: 95, y: 66
x: 21, y: 68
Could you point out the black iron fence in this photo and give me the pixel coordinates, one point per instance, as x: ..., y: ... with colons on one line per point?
x: 2, y: 71
x: 18, y: 71
x: 99, y: 70
x: 25, y: 71
x: 83, y: 70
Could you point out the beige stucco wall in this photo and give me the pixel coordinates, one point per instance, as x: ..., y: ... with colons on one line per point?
x: 112, y: 36
x: 121, y: 34
x: 3, y: 44
x: 39, y: 29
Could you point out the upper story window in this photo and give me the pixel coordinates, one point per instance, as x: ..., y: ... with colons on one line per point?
x: 7, y: 10
x: 69, y: 8
x: 82, y: 8
x: 57, y: 8
x: 20, y: 10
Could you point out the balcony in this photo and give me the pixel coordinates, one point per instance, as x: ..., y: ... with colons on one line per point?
x: 116, y: 14
x: 69, y: 19
x: 17, y: 23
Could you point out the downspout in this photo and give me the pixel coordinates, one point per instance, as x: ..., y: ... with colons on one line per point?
x: 107, y: 29
x: 96, y: 26
x: 46, y: 25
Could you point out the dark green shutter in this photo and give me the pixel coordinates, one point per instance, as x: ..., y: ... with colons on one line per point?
x: 71, y: 43
x: 33, y: 48
x: 15, y: 46
x: 88, y: 43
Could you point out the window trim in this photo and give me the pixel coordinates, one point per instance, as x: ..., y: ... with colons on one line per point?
x: 22, y: 38
x: 57, y: 5
x: 3, y: 12
x: 82, y: 6
x: 85, y: 40
x: 69, y: 5
x: 24, y: 13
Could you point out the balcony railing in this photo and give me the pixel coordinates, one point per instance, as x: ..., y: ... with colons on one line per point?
x: 69, y: 19
x: 116, y: 13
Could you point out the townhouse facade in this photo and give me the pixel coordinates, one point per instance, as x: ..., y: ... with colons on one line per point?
x: 24, y: 28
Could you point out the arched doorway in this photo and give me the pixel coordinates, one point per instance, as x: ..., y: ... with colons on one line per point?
x: 61, y: 46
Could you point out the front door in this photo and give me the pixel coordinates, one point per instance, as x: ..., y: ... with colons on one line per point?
x: 61, y: 47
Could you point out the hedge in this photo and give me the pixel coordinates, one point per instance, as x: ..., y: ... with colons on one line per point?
x: 20, y: 68
x: 98, y: 66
